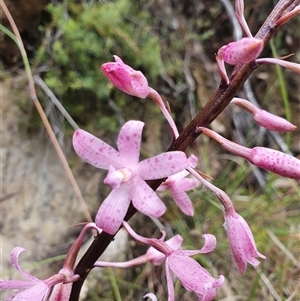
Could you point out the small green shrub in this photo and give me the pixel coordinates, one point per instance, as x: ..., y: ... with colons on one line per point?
x: 87, y: 36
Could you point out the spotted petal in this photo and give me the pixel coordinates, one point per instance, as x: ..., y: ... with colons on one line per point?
x: 95, y: 151
x: 194, y: 277
x: 112, y: 211
x: 145, y: 200
x: 38, y: 292
x: 162, y: 165
x: 183, y: 201
x: 14, y: 259
x: 129, y: 141
x: 170, y: 284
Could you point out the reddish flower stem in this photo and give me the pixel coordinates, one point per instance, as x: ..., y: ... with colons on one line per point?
x: 218, y: 102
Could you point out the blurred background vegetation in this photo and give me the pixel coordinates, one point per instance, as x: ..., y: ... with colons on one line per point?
x: 173, y: 43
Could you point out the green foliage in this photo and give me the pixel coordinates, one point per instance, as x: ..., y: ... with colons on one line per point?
x: 88, y: 36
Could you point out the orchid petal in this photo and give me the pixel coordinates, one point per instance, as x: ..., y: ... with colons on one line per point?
x: 61, y: 292
x: 155, y: 256
x: 182, y: 200
x: 162, y: 165
x: 129, y: 141
x: 112, y: 211
x: 95, y: 151
x: 186, y: 184
x: 15, y: 284
x: 38, y: 292
x: 241, y: 240
x: 197, y: 279
x: 14, y: 256
x: 170, y: 284
x: 188, y: 271
x: 145, y: 200
x: 193, y: 160
x: 175, y: 242
x: 11, y: 297
x: 209, y: 245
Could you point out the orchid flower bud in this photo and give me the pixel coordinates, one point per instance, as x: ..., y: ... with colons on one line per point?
x: 242, y: 51
x: 267, y: 120
x: 125, y: 78
x: 135, y: 83
x: 269, y: 159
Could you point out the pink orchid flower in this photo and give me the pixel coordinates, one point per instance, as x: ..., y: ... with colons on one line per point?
x: 263, y: 118
x: 269, y: 159
x: 152, y: 255
x: 242, y: 244
x: 191, y: 274
x: 241, y: 240
x: 32, y: 288
x: 125, y: 78
x: 126, y: 174
x: 178, y: 184
x: 239, y: 52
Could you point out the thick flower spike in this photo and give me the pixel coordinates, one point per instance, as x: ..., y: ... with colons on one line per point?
x: 242, y: 244
x: 126, y: 174
x: 191, y: 274
x: 269, y: 159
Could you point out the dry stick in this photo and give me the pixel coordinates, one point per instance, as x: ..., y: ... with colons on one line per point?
x: 212, y: 109
x: 43, y: 116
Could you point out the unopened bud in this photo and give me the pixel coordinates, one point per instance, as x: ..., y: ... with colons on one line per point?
x: 269, y: 159
x: 125, y: 78
x: 242, y: 51
x: 267, y: 120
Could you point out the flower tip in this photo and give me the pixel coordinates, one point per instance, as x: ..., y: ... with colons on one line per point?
x: 219, y: 282
x: 273, y: 122
x: 117, y: 59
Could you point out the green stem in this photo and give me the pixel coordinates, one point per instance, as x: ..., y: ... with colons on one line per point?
x: 114, y: 285
x: 284, y: 93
